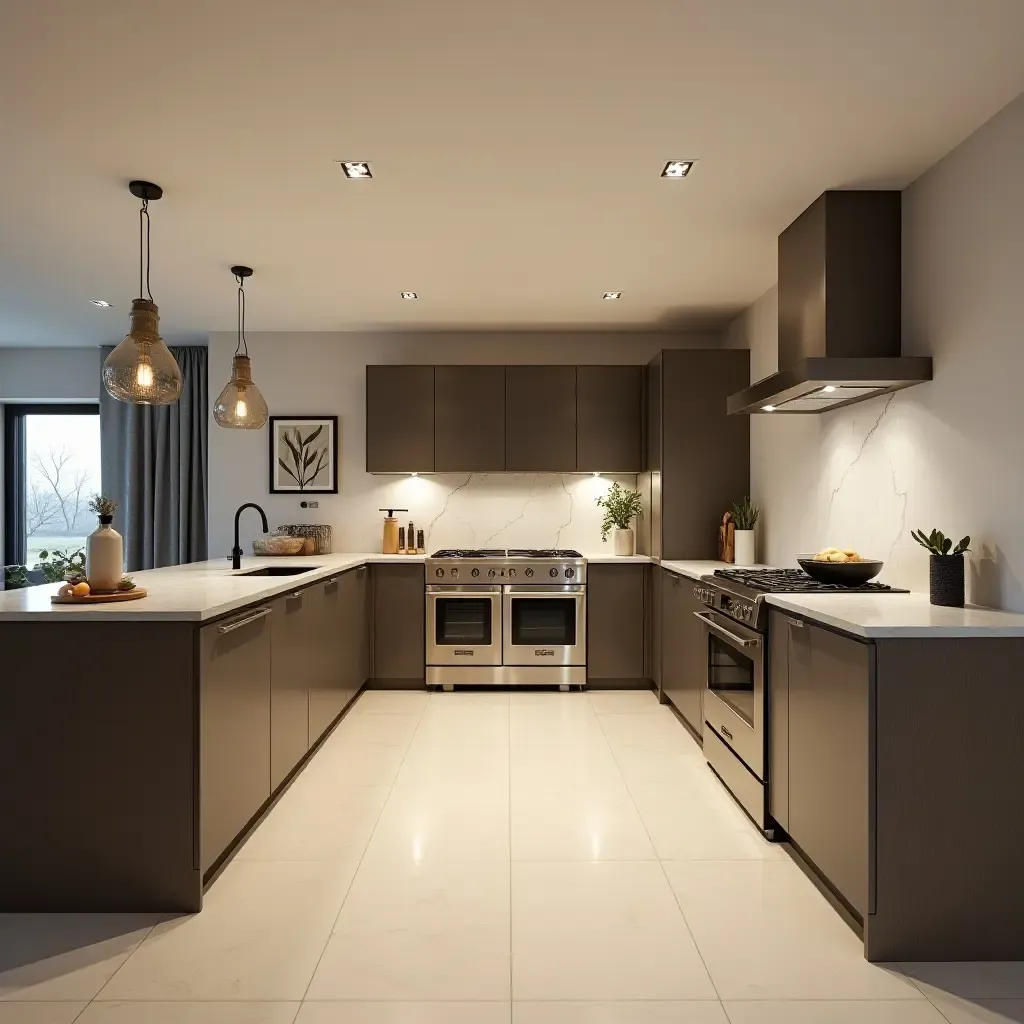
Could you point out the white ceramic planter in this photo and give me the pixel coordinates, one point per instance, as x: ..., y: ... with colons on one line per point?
x: 625, y: 542
x: 104, y: 558
x: 745, y: 547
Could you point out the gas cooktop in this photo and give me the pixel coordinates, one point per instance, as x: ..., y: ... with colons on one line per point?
x: 496, y: 565
x: 796, y: 581
x: 502, y: 553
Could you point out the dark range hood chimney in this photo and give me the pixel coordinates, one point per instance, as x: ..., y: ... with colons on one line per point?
x: 839, y: 309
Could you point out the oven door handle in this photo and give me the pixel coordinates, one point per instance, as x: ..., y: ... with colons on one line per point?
x: 575, y: 590
x: 724, y: 633
x: 477, y: 592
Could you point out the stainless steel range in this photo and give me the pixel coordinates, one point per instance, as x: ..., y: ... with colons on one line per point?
x: 506, y: 618
x: 736, y: 625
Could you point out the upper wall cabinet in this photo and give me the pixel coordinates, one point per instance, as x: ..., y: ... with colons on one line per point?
x: 469, y: 419
x: 400, y: 419
x: 609, y: 419
x: 540, y: 419
x: 492, y: 419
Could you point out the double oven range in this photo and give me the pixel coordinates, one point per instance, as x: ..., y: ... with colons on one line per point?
x: 506, y: 618
x: 737, y: 698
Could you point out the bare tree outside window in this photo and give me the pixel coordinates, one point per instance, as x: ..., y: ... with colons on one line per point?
x: 64, y: 487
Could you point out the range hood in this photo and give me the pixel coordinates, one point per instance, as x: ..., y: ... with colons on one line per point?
x: 839, y: 309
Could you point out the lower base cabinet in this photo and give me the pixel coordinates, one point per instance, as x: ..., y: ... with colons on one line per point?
x: 616, y: 628
x: 234, y: 727
x: 399, y: 627
x: 684, y: 649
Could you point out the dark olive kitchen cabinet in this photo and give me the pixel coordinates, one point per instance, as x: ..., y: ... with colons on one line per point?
x: 829, y: 682
x: 778, y: 717
x: 616, y: 623
x: 345, y: 648
x: 469, y: 419
x: 234, y: 727
x: 297, y: 665
x: 609, y: 419
x: 399, y: 611
x: 399, y: 419
x: 684, y: 650
x: 540, y: 419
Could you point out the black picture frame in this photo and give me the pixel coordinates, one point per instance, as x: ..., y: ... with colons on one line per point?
x: 282, y: 449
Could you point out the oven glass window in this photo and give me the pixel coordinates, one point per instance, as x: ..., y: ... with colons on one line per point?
x: 544, y: 621
x: 464, y: 621
x: 731, y: 677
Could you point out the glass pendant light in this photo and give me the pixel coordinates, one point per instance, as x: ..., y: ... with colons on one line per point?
x: 240, y: 405
x: 141, y: 370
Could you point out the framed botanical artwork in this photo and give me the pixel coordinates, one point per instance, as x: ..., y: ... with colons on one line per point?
x: 303, y: 454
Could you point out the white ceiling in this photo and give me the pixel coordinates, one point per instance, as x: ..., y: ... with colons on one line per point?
x: 516, y: 149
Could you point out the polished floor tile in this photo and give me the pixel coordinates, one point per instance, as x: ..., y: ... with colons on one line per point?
x: 259, y: 937
x: 567, y: 730
x: 342, y: 761
x: 637, y: 1012
x: 958, y: 1010
x: 190, y: 1013
x: 391, y: 702
x: 611, y: 702
x: 52, y: 957
x: 646, y: 731
x: 766, y: 933
x: 985, y: 979
x: 40, y: 1013
x: 405, y: 1013
x: 601, y: 931
x: 854, y: 1011
x: 393, y: 730
x: 435, y: 930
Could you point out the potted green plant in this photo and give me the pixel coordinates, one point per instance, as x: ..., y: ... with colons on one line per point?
x: 621, y: 507
x: 744, y: 517
x: 946, y: 567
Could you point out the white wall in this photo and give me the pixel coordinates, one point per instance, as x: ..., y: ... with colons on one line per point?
x: 947, y: 454
x: 49, y: 374
x: 317, y: 374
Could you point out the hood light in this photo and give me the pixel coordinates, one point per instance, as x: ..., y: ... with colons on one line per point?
x: 677, y: 169
x: 356, y: 168
x: 612, y: 295
x: 767, y: 408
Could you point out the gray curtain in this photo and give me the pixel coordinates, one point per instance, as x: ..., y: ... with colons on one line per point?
x: 155, y: 467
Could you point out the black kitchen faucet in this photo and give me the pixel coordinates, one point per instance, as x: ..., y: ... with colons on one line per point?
x: 236, y: 551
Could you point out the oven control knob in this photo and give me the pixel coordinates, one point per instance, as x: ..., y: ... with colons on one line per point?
x: 491, y: 573
x: 569, y: 573
x: 439, y: 572
x: 552, y: 572
x: 529, y: 572
x: 455, y: 572
x: 511, y: 573
x: 475, y: 572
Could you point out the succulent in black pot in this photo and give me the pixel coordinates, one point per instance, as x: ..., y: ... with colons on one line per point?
x: 946, y: 567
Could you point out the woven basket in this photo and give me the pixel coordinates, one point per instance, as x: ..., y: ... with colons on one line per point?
x: 320, y: 535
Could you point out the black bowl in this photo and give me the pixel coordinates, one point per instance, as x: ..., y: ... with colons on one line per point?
x: 846, y: 574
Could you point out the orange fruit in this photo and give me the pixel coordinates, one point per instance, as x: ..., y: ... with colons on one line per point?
x: 80, y: 589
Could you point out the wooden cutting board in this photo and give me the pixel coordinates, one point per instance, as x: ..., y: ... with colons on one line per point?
x: 119, y: 595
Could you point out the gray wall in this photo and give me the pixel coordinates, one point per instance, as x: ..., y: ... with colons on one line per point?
x: 948, y: 454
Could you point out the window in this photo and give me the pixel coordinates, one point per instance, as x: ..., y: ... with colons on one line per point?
x: 51, y: 470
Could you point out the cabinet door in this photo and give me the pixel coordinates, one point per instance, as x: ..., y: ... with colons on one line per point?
x: 234, y: 727
x: 705, y: 453
x: 657, y: 584
x: 615, y: 621
x: 778, y: 717
x: 354, y: 634
x: 684, y: 651
x: 327, y: 693
x: 540, y: 419
x: 469, y: 419
x: 399, y: 419
x: 609, y: 419
x: 399, y: 626
x: 829, y: 678
x: 298, y: 666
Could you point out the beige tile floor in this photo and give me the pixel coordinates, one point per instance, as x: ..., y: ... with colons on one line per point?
x: 475, y: 858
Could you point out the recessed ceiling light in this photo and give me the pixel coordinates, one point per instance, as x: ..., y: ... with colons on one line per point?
x: 356, y: 168
x: 677, y: 169
x: 829, y: 388
x: 410, y: 295
x: 767, y: 408
x: 100, y: 303
x: 613, y: 295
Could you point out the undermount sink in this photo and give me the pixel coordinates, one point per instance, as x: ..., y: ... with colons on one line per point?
x: 278, y: 570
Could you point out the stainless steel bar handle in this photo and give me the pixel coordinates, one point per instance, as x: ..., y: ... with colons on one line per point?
x: 797, y: 623
x: 733, y: 638
x: 239, y: 623
x: 478, y: 595
x: 332, y: 582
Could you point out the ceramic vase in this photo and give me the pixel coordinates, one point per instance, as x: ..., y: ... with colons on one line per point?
x: 104, y: 556
x: 625, y: 542
x: 946, y: 580
x: 745, y: 547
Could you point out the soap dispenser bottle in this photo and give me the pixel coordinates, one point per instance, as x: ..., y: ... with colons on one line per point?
x: 389, y: 543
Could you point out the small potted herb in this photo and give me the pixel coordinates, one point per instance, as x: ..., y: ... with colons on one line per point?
x: 104, y: 548
x: 946, y: 569
x: 745, y: 516
x: 621, y: 507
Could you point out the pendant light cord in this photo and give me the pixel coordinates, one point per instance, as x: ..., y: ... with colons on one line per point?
x: 144, y: 249
x: 242, y: 348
